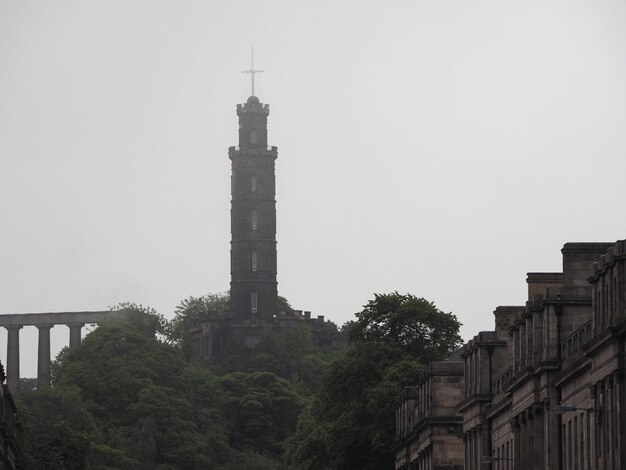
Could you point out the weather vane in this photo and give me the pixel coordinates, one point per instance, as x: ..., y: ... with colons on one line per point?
x: 252, y: 71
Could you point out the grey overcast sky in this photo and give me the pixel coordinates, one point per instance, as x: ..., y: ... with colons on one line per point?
x: 442, y: 148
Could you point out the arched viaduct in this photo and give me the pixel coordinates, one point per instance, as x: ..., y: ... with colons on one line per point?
x: 44, y: 322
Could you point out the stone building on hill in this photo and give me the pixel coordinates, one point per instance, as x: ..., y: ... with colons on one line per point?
x: 253, y: 285
x: 253, y: 266
x: 545, y: 390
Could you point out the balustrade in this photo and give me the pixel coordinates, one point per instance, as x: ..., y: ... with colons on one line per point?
x: 572, y: 345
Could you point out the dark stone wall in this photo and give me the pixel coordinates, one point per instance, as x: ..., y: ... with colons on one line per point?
x: 220, y: 336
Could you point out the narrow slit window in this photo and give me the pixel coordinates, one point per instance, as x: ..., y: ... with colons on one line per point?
x: 253, y: 183
x: 254, y: 260
x: 253, y: 137
x: 254, y: 219
x: 254, y: 301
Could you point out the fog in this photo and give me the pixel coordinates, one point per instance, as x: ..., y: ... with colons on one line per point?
x: 439, y: 148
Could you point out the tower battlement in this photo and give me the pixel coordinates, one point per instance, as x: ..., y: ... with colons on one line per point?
x: 253, y: 106
x: 236, y: 150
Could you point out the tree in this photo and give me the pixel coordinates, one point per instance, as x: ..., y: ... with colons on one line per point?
x: 210, y: 305
x: 58, y: 427
x: 292, y: 354
x: 261, y: 410
x: 113, y: 364
x: 126, y: 399
x: 144, y: 319
x: 350, y: 423
x: 217, y: 304
x: 148, y: 407
x: 414, y: 324
x: 284, y: 305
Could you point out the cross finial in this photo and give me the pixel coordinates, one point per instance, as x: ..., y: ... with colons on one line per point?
x: 252, y: 71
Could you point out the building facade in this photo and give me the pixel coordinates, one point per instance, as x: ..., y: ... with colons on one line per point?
x: 427, y: 423
x: 545, y: 390
x: 486, y: 357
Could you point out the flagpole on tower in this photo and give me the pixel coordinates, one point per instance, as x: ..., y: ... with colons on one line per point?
x: 252, y: 71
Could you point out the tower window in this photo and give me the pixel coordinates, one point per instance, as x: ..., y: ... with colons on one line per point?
x: 254, y: 219
x: 254, y: 260
x: 253, y: 137
x: 254, y: 301
x: 253, y: 183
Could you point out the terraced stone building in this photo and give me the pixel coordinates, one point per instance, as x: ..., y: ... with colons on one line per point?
x: 546, y: 389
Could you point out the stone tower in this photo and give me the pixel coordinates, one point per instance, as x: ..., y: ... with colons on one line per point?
x: 253, y: 286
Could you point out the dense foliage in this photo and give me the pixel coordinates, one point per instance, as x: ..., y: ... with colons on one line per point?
x: 124, y: 399
x: 413, y: 325
x: 293, y: 355
x: 130, y: 397
x: 350, y: 424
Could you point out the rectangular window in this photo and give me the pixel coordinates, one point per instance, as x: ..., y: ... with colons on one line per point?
x: 600, y: 424
x: 588, y: 440
x: 216, y: 345
x: 574, y: 443
x: 254, y: 219
x: 253, y: 260
x: 581, y: 442
x: 254, y: 302
x: 253, y: 183
x: 507, y: 456
x: 564, y: 444
x: 205, y: 345
x: 252, y: 341
x: 569, y: 444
